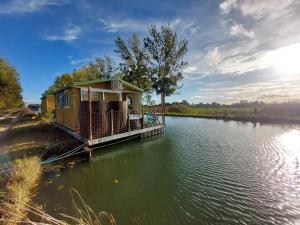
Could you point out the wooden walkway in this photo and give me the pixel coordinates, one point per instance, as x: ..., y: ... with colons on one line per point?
x: 145, y: 132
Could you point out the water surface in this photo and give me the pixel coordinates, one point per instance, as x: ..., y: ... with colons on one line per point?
x: 201, y: 172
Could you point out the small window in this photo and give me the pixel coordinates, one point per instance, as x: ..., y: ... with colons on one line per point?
x: 84, y: 95
x: 57, y: 101
x: 66, y: 99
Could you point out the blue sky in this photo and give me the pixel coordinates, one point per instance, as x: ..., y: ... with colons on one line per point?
x: 238, y: 49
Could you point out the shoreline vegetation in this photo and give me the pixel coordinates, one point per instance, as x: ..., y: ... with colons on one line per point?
x: 27, y: 140
x: 245, y: 111
x: 253, y: 118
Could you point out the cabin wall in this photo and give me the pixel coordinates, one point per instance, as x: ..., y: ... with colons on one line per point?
x: 111, y: 97
x: 69, y: 116
x: 48, y: 104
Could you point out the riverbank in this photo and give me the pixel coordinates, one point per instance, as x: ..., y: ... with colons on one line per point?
x: 245, y: 118
x: 25, y: 139
x: 23, y: 133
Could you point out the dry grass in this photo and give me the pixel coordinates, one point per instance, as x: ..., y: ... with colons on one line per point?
x: 22, y: 177
x: 30, y: 136
x: 16, y: 206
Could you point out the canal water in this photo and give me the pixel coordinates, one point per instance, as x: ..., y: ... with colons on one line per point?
x: 201, y: 172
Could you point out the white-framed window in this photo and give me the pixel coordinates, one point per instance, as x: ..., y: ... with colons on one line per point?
x: 66, y: 99
x: 62, y: 99
x: 84, y: 95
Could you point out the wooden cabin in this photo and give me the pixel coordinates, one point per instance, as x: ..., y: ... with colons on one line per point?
x: 48, y: 103
x: 100, y: 110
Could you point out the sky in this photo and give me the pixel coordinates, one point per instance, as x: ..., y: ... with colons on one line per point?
x: 238, y: 49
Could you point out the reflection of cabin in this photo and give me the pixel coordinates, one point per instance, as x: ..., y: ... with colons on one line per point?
x: 101, y: 110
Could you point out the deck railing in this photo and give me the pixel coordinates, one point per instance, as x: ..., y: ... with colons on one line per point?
x: 96, y: 125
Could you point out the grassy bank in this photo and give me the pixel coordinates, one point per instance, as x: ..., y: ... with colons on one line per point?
x: 17, y: 185
x: 25, y: 139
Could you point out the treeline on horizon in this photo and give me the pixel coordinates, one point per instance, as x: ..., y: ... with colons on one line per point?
x: 10, y: 88
x: 287, y: 109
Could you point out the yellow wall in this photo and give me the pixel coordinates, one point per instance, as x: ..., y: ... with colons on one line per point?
x: 69, y: 116
x: 48, y: 104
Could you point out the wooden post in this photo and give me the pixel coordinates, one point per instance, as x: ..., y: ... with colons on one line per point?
x: 112, y: 121
x: 90, y: 115
x: 129, y: 128
x: 142, y: 117
x: 88, y: 151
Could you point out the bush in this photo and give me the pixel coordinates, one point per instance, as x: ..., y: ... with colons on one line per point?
x: 47, y: 117
x: 178, y: 108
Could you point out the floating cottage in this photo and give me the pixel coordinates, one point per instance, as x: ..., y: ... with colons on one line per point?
x: 103, y: 110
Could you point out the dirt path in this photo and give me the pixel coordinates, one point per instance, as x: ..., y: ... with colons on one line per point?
x: 4, y: 131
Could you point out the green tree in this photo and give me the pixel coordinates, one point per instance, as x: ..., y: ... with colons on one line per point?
x: 166, y: 54
x: 59, y: 82
x: 102, y: 67
x: 10, y: 88
x: 134, y: 62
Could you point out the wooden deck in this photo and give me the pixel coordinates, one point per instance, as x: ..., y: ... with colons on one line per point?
x: 145, y: 132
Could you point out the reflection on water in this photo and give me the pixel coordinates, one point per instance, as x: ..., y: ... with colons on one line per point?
x: 201, y: 172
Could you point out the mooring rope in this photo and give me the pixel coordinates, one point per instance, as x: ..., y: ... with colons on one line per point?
x: 64, y: 155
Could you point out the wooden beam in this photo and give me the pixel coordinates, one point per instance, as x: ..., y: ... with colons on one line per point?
x: 128, y: 117
x: 142, y: 117
x: 101, y: 90
x: 112, y: 122
x: 90, y: 114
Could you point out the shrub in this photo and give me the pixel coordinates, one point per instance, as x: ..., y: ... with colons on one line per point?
x: 178, y: 108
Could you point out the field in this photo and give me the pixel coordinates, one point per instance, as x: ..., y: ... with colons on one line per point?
x: 266, y: 114
x: 220, y: 111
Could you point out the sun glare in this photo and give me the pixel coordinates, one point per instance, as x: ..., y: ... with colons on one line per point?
x: 290, y: 142
x: 287, y: 60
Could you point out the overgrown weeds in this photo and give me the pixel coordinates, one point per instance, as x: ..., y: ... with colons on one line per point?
x: 22, y: 176
x: 17, y: 183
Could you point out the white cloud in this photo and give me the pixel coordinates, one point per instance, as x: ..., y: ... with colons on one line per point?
x: 80, y: 61
x: 227, y: 5
x: 69, y: 34
x: 239, y: 30
x: 253, y: 50
x: 213, y: 57
x: 29, y: 6
x: 134, y: 25
x: 124, y: 25
x: 265, y: 9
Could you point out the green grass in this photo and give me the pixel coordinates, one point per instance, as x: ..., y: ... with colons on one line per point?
x: 220, y: 111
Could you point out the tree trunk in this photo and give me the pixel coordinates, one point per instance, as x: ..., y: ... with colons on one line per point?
x: 163, y: 107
